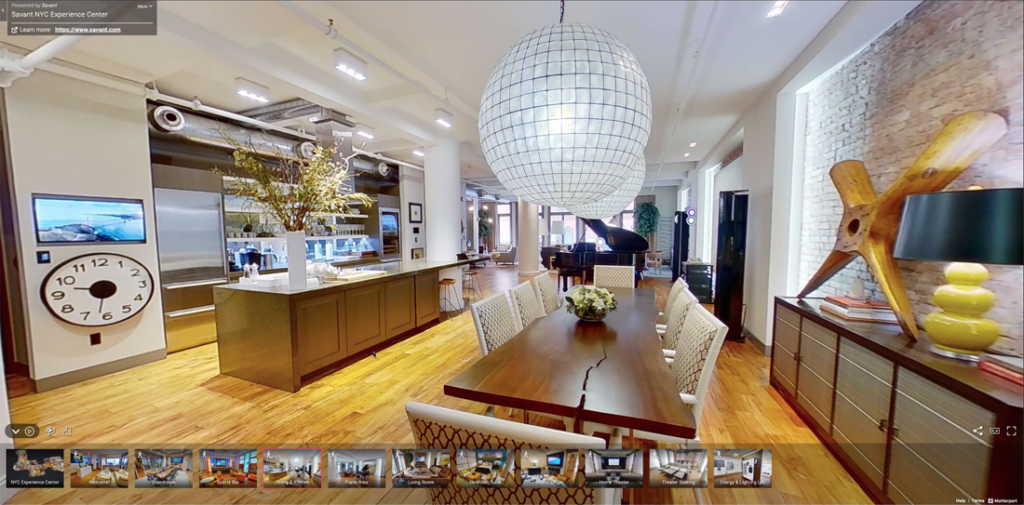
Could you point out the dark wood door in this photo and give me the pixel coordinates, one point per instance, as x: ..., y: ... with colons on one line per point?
x: 427, y: 308
x: 729, y: 269
x: 364, y: 308
x: 400, y: 306
x: 321, y: 332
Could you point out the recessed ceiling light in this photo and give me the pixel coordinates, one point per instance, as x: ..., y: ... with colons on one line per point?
x: 365, y: 131
x: 443, y: 118
x: 778, y: 8
x: 417, y: 152
x: 693, y: 144
x: 350, y: 64
x: 687, y: 155
x: 251, y: 90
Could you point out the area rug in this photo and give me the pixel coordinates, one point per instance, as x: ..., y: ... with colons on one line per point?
x: 662, y: 272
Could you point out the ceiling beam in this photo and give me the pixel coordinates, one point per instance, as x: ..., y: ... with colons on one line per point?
x: 383, y: 96
x: 316, y: 84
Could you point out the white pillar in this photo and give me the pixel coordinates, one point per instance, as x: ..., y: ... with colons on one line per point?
x: 443, y: 210
x: 529, y: 250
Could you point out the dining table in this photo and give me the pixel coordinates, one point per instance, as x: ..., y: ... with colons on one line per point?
x: 612, y: 372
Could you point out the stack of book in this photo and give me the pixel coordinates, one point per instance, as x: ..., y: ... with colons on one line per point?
x: 1007, y: 367
x: 859, y: 310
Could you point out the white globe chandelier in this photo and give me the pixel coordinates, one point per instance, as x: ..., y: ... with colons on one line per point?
x: 565, y: 116
x: 618, y: 200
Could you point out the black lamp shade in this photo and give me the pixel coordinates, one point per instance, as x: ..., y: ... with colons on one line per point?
x: 982, y: 226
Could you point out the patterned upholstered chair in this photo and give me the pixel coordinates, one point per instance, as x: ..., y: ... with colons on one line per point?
x: 696, y: 354
x: 684, y: 304
x: 677, y: 287
x: 525, y: 304
x: 614, y: 277
x: 440, y: 428
x: 547, y: 292
x: 495, y: 323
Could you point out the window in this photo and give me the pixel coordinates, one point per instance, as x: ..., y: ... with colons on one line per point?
x: 504, y: 224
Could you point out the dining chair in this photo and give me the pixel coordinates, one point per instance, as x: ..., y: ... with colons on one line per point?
x: 696, y: 355
x: 684, y: 304
x: 677, y: 287
x: 614, y: 277
x: 525, y: 304
x: 440, y: 428
x: 547, y: 292
x: 494, y: 321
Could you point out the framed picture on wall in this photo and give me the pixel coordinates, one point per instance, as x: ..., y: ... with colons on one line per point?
x: 417, y: 253
x: 415, y: 213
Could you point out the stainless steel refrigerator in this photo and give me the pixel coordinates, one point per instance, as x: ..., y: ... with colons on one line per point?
x: 192, y: 250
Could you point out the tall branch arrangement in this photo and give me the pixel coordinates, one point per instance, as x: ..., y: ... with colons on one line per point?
x: 298, y: 190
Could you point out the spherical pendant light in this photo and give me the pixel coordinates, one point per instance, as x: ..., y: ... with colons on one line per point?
x: 617, y: 201
x: 565, y: 116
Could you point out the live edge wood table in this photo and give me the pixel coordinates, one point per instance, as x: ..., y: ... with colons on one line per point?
x: 910, y: 426
x: 276, y: 336
x: 612, y: 372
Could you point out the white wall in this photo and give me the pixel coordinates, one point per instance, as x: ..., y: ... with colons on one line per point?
x: 75, y: 138
x: 411, y: 188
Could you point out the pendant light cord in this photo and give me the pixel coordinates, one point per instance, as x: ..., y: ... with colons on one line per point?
x: 561, y: 13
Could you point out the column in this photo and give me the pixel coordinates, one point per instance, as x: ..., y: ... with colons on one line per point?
x: 443, y: 209
x: 529, y: 250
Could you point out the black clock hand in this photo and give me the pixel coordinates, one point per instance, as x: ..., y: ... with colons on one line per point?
x: 101, y: 306
x: 83, y: 288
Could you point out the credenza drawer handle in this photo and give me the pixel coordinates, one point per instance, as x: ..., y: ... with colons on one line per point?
x: 883, y: 425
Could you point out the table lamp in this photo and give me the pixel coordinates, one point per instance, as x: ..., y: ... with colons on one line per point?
x: 968, y: 228
x: 558, y: 228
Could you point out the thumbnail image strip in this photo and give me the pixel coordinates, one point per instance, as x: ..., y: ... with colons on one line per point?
x: 551, y: 468
x: 743, y: 468
x: 424, y: 468
x: 228, y: 468
x: 163, y: 468
x: 356, y: 468
x: 98, y: 468
x: 28, y: 468
x: 292, y: 468
x: 622, y: 468
x: 678, y: 467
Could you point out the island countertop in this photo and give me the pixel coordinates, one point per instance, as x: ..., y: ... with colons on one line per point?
x: 393, y: 270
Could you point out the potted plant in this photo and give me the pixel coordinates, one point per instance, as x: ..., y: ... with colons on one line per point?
x: 646, y: 219
x: 589, y: 303
x: 483, y: 227
x: 295, y: 192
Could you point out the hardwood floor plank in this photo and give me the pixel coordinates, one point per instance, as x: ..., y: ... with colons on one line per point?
x: 182, y: 401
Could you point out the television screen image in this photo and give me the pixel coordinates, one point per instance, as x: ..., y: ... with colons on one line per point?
x: 220, y: 462
x: 554, y: 460
x: 69, y: 220
x: 112, y: 462
x: 613, y: 462
x: 177, y: 460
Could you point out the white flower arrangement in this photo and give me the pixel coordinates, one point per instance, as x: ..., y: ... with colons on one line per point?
x: 591, y: 303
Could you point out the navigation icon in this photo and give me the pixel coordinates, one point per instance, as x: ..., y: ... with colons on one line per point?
x: 50, y: 431
x: 67, y: 431
x: 22, y: 431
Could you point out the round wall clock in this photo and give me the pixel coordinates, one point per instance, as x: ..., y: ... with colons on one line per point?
x: 98, y: 289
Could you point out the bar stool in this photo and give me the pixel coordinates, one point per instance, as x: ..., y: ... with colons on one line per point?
x: 447, y: 285
x: 470, y: 286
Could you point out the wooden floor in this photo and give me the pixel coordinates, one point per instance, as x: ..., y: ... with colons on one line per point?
x: 182, y: 401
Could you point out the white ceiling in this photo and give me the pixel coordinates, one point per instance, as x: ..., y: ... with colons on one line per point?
x: 709, y: 60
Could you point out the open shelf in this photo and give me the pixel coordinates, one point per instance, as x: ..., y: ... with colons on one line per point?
x: 308, y: 239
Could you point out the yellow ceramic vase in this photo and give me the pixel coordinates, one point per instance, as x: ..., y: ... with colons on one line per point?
x: 959, y: 328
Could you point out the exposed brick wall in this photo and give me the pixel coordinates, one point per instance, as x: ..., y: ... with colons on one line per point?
x: 888, y: 102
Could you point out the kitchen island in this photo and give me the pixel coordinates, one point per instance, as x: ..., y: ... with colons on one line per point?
x: 275, y: 335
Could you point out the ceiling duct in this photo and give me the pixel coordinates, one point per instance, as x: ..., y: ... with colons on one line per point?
x: 170, y: 122
x: 285, y: 111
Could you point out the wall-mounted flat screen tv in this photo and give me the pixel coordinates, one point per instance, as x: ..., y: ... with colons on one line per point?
x: 220, y: 462
x: 555, y: 460
x: 75, y: 220
x: 177, y: 460
x: 614, y: 463
x: 112, y: 462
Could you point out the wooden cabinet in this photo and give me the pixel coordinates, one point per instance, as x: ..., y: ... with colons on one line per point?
x: 321, y: 332
x: 365, y: 326
x: 427, y: 289
x: 399, y: 306
x: 909, y: 426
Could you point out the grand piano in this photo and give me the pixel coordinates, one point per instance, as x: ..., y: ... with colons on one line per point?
x: 627, y: 249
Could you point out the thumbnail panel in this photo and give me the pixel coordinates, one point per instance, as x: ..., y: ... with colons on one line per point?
x: 99, y: 468
x: 163, y: 468
x: 426, y: 468
x: 292, y: 468
x: 678, y: 467
x: 551, y: 468
x: 485, y: 468
x: 348, y: 468
x: 743, y: 468
x: 619, y: 468
x: 228, y: 468
x: 35, y: 468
